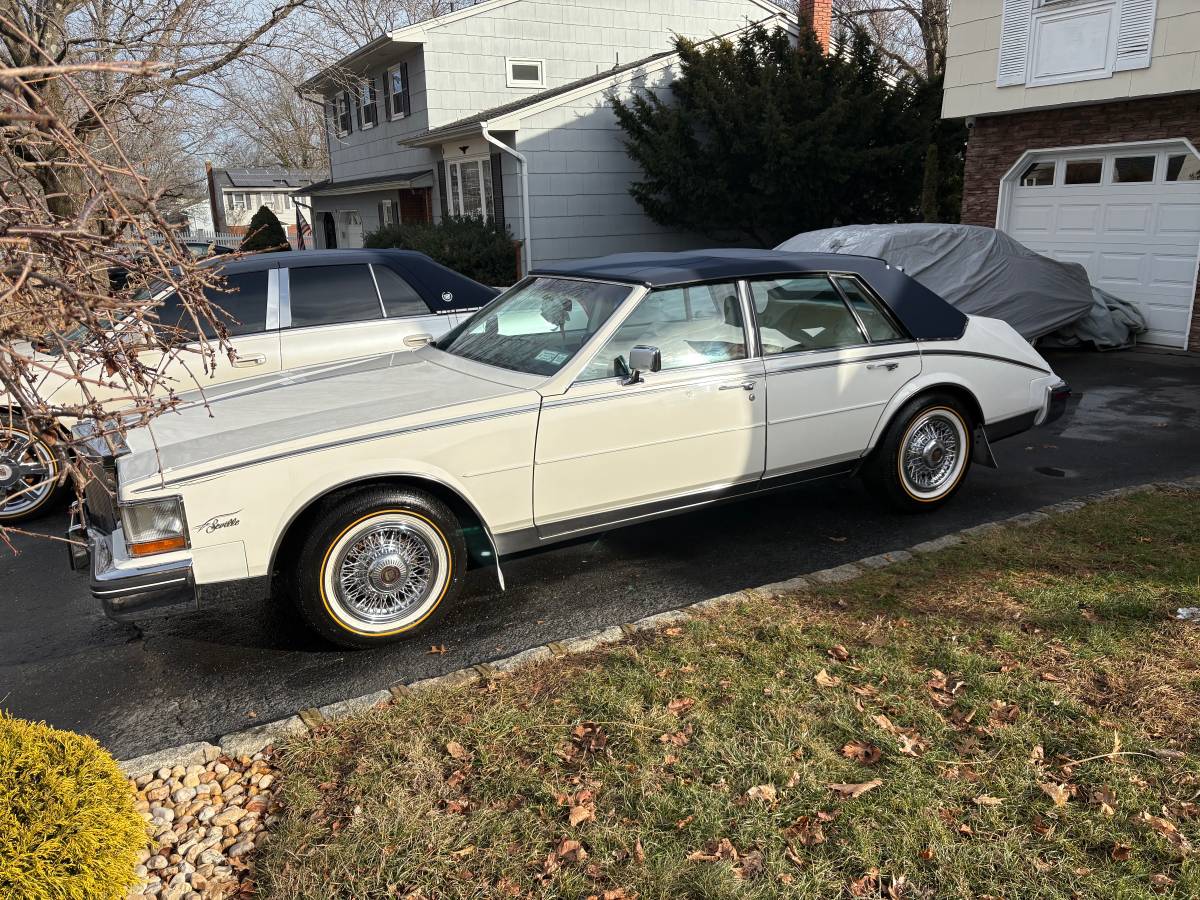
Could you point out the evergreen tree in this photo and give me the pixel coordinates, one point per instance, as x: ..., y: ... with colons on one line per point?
x: 762, y: 139
x: 265, y: 232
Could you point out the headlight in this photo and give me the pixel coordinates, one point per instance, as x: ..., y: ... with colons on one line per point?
x: 154, y: 526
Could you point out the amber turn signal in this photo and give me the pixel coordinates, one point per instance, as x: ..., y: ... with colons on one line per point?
x: 149, y: 548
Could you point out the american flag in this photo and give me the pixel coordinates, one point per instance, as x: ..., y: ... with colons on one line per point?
x: 302, y: 228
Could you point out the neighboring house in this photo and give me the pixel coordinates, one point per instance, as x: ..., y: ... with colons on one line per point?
x: 502, y: 110
x: 1085, y: 122
x: 236, y: 194
x: 196, y: 218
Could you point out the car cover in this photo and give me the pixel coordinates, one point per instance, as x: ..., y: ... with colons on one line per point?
x: 985, y: 272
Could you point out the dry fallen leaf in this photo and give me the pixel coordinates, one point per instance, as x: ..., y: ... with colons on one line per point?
x: 1121, y: 852
x: 1059, y: 793
x: 680, y: 705
x: 850, y: 791
x: 807, y: 831
x: 987, y: 800
x: 714, y: 851
x: 861, y: 752
x: 1104, y: 799
x: 764, y: 793
x: 579, y: 815
x: 838, y: 652
x: 438, y: 648
x: 456, y: 750
x: 825, y: 680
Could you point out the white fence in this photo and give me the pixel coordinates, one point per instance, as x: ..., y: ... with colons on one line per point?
x: 232, y: 241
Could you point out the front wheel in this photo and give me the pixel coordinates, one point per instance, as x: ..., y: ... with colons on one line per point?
x: 924, y: 454
x: 379, y: 566
x: 30, y: 470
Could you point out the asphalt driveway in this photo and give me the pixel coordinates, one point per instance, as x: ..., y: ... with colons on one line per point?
x: 1136, y: 418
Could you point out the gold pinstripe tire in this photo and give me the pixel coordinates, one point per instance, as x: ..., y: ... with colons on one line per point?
x: 380, y: 566
x: 924, y: 455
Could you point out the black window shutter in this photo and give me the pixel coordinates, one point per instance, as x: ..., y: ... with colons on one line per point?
x: 358, y: 107
x: 498, y: 187
x: 442, y: 189
x: 349, y: 113
x: 406, y: 95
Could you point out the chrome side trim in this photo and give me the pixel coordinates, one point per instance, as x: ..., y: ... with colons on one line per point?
x: 347, y: 442
x: 734, y: 373
x: 285, y: 298
x: 1003, y: 359
x: 825, y: 364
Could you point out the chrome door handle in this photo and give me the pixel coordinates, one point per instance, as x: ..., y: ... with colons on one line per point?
x: 890, y: 366
x: 744, y: 386
x: 418, y: 340
x: 245, y: 362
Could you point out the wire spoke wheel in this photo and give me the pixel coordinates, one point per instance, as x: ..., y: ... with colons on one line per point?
x: 28, y: 472
x: 933, y: 453
x: 385, y: 571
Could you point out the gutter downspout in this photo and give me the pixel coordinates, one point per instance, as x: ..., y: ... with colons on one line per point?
x: 524, y: 163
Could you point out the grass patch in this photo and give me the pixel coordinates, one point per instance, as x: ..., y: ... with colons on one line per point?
x: 1015, y: 717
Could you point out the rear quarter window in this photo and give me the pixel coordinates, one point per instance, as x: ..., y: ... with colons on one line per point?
x: 332, y: 295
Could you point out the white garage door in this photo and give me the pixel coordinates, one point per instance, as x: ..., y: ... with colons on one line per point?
x: 1130, y: 215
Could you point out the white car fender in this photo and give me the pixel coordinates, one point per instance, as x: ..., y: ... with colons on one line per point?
x: 925, y: 381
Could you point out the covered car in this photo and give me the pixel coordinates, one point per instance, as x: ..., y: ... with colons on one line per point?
x: 985, y: 272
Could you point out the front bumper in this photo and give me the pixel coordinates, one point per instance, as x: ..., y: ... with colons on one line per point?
x: 129, y: 590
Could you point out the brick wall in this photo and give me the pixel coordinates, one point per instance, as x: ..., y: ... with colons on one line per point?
x: 996, y: 142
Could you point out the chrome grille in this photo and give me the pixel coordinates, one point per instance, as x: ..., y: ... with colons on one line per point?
x: 99, y: 496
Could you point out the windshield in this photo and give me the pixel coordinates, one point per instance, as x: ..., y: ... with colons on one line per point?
x: 538, y: 327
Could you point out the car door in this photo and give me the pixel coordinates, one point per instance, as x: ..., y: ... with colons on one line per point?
x: 834, y: 358
x: 610, y: 451
x: 245, y: 303
x: 335, y: 312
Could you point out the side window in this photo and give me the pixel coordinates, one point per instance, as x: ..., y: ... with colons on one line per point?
x: 330, y: 295
x: 690, y: 326
x: 803, y: 313
x: 240, y: 304
x: 399, y: 297
x: 879, y: 326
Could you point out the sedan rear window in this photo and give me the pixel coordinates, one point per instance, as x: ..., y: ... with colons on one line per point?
x: 331, y: 295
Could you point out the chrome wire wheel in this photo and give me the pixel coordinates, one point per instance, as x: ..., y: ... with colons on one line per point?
x: 385, y: 572
x: 28, y: 472
x: 933, y: 453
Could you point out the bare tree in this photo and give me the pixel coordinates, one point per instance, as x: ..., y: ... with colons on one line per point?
x: 910, y: 34
x: 72, y: 348
x: 182, y: 42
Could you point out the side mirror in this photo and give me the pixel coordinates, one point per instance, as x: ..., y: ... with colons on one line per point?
x: 643, y: 359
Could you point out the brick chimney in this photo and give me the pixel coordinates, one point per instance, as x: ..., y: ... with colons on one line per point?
x: 819, y: 16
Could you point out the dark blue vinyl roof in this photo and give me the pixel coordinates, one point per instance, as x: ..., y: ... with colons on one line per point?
x: 434, y: 281
x: 926, y: 315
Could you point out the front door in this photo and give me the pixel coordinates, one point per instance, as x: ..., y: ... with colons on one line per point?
x: 608, y: 451
x: 834, y: 358
x: 330, y: 228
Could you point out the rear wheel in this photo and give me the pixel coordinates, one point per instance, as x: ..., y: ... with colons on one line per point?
x: 380, y: 566
x: 924, y: 454
x: 30, y: 470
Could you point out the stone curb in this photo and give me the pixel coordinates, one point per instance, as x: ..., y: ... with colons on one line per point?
x: 252, y: 740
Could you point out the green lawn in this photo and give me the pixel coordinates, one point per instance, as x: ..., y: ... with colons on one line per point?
x: 1013, y: 718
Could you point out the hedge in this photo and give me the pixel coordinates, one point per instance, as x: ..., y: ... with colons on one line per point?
x: 68, y: 827
x: 481, y: 250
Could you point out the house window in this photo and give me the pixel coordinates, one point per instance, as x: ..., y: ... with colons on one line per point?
x: 1083, y: 171
x: 342, y: 113
x: 237, y: 200
x: 389, y: 213
x: 1183, y: 167
x: 1128, y: 169
x: 399, y: 100
x: 368, y: 108
x: 470, y: 188
x: 1039, y: 174
x: 523, y: 73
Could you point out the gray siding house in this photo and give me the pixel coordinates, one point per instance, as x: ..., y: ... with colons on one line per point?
x: 502, y: 110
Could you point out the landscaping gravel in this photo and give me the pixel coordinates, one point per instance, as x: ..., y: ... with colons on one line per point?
x: 204, y: 822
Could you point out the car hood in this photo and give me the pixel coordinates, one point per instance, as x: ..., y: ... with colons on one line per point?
x: 301, y: 408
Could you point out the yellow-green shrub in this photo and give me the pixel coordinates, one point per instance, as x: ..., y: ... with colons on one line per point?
x: 68, y: 828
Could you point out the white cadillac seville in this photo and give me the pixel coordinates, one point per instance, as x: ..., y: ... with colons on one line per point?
x: 587, y: 397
